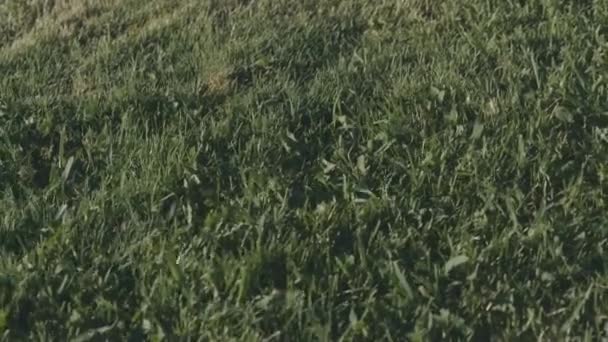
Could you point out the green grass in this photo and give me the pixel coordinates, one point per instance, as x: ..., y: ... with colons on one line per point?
x: 303, y: 170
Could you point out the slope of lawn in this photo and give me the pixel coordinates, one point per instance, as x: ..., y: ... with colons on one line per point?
x: 311, y: 170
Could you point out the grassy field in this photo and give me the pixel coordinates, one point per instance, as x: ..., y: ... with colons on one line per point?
x: 311, y: 170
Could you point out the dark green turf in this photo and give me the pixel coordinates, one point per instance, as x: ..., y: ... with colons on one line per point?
x: 312, y: 170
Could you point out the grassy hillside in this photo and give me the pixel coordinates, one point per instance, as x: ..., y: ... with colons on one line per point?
x: 303, y: 170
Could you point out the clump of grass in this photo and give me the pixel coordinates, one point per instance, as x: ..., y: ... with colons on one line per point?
x: 219, y: 83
